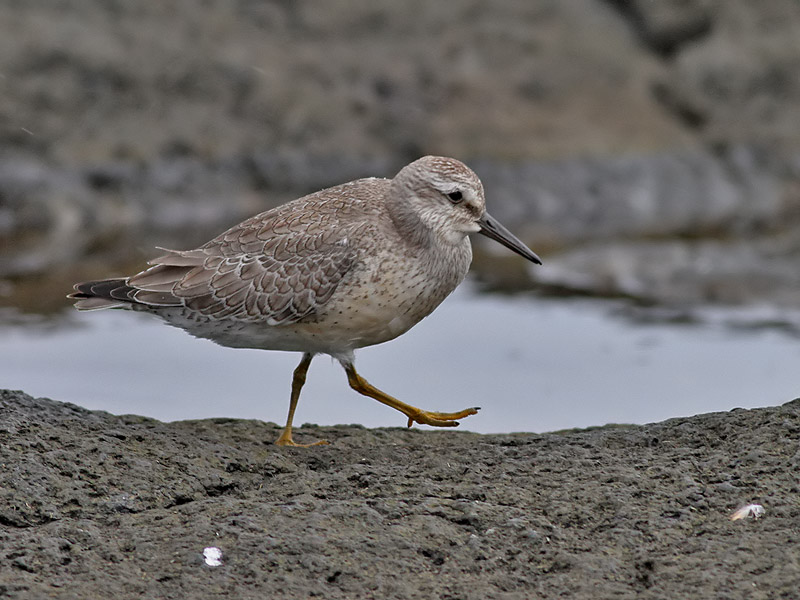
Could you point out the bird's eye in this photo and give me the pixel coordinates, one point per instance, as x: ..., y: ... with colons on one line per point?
x: 455, y: 197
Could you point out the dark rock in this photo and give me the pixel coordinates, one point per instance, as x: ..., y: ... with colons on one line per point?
x: 97, y: 505
x: 667, y: 25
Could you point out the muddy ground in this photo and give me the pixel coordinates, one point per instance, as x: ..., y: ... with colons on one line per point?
x: 96, y: 506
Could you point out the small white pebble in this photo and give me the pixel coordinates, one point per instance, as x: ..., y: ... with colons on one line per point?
x: 751, y: 510
x: 212, y: 556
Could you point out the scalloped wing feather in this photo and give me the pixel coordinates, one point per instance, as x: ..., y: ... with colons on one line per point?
x: 281, y: 266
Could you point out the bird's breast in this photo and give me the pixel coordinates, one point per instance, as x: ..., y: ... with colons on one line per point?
x: 390, y: 293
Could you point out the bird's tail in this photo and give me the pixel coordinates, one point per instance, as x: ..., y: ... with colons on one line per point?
x: 152, y: 288
x: 104, y: 293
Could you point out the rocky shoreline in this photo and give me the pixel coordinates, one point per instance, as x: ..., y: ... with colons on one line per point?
x: 648, y: 150
x: 94, y: 505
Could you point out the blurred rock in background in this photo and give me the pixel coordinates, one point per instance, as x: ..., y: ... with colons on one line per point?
x: 648, y: 149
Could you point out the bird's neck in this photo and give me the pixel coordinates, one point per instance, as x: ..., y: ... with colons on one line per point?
x: 408, y: 223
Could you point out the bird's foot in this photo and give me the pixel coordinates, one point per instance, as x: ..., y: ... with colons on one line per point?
x: 439, y: 419
x: 286, y: 440
x: 414, y: 414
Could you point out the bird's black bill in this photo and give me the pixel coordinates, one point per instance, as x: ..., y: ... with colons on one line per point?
x: 492, y: 229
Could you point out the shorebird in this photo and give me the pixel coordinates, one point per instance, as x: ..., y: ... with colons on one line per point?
x: 350, y: 266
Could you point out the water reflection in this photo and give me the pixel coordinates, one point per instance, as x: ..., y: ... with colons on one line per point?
x: 533, y: 365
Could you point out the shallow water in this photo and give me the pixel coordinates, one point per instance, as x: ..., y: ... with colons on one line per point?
x: 532, y: 364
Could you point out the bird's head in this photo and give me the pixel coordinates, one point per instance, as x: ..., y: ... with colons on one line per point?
x: 446, y: 197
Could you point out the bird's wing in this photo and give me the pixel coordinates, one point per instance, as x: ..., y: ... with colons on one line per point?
x: 275, y: 266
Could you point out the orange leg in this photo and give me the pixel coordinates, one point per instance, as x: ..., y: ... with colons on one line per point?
x: 414, y: 414
x: 298, y: 380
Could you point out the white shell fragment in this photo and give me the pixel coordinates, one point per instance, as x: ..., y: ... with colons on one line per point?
x: 751, y: 510
x: 212, y: 556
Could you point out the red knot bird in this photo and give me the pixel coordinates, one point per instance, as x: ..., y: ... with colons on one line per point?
x: 351, y: 266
